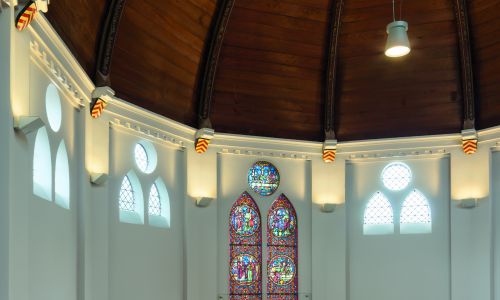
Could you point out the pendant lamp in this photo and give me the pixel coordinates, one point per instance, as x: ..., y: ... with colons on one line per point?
x: 397, y: 44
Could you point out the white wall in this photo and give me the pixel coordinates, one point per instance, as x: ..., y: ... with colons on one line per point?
x: 399, y: 266
x: 86, y: 253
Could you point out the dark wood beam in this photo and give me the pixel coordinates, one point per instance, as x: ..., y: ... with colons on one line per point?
x: 467, y: 74
x: 109, y: 31
x: 214, y: 43
x: 331, y: 72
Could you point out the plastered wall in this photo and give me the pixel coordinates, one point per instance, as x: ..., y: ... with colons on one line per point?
x: 86, y: 252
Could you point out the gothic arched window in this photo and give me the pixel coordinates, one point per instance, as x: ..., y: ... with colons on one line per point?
x: 245, y: 264
x: 282, y: 263
x: 379, y: 216
x: 415, y: 214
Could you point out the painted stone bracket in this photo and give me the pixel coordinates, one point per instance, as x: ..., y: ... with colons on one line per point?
x: 329, y: 150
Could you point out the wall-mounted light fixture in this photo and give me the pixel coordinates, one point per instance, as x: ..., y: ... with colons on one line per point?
x: 468, y: 203
x: 397, y: 44
x: 27, y: 124
x: 202, y: 201
x: 98, y: 178
x: 328, y: 207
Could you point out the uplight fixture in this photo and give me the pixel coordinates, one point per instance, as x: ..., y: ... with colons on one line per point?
x: 397, y: 38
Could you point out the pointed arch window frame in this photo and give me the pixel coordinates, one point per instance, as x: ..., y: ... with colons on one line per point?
x: 282, y: 251
x: 423, y: 222
x: 379, y: 205
x: 245, y: 244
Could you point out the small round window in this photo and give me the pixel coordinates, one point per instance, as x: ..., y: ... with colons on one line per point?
x: 145, y: 157
x: 396, y: 176
x: 53, y: 107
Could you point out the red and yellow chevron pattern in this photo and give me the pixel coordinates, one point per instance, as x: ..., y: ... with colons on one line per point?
x: 469, y: 146
x: 201, y: 145
x: 96, y: 107
x: 329, y: 155
x: 26, y: 15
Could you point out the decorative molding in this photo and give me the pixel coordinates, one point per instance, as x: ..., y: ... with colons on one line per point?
x: 43, y: 58
x: 109, y: 32
x: 46, y: 36
x: 466, y: 72
x: 218, y: 31
x: 331, y: 71
x: 144, y: 131
x: 265, y: 153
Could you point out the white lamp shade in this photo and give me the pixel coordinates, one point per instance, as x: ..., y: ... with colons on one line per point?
x: 397, y: 39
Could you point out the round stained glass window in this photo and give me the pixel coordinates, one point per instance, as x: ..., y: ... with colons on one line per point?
x: 396, y: 176
x: 263, y: 178
x: 245, y: 220
x: 244, y: 269
x: 281, y: 222
x: 281, y: 270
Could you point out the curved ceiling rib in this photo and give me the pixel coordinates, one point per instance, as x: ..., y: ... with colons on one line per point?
x: 216, y: 38
x: 331, y: 71
x: 109, y: 30
x: 467, y: 74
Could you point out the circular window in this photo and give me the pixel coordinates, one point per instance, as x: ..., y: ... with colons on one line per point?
x: 145, y: 157
x: 281, y: 270
x: 245, y: 269
x: 245, y: 220
x: 53, y: 107
x: 396, y: 176
x: 263, y: 178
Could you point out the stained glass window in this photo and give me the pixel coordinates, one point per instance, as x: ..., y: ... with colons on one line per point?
x: 245, y: 265
x: 282, y: 263
x: 127, y: 199
x: 263, y: 178
x: 396, y: 176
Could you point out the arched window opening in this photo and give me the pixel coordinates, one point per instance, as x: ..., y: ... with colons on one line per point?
x: 154, y: 205
x: 245, y: 238
x: 127, y: 198
x: 282, y: 263
x: 130, y: 200
x: 415, y: 214
x: 379, y: 216
x: 159, y: 205
x: 62, y: 177
x: 396, y: 176
x: 42, y: 166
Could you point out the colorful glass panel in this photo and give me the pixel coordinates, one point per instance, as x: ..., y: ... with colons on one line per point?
x: 281, y: 222
x: 245, y: 220
x: 245, y: 264
x: 282, y: 268
x: 263, y: 178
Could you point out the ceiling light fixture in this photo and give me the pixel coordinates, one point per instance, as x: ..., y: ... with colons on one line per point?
x: 397, y: 39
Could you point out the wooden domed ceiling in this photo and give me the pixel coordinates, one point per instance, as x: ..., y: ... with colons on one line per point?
x: 295, y: 68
